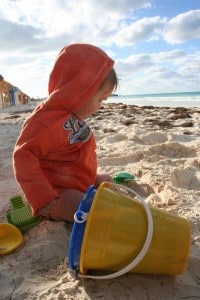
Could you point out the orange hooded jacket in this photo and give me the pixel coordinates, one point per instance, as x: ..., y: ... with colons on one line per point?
x: 55, y: 149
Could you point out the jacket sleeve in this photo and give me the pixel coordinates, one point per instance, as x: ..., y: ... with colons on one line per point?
x: 33, y: 143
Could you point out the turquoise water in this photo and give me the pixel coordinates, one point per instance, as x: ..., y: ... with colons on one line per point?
x: 189, y: 99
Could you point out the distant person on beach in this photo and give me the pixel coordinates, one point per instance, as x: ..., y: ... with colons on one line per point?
x: 54, y: 158
x: 12, y: 91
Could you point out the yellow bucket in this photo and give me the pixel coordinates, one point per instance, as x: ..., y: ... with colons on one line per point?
x: 125, y: 234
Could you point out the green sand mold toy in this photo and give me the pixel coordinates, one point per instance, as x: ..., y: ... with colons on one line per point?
x: 123, y: 177
x: 21, y: 215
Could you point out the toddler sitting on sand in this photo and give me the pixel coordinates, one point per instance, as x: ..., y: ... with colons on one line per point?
x: 54, y: 158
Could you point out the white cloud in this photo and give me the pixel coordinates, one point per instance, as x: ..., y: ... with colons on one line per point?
x: 77, y: 20
x: 134, y: 64
x: 17, y: 36
x: 183, y: 27
x: 29, y: 73
x: 171, y: 71
x: 174, y: 56
x: 49, y: 24
x: 143, y: 29
x: 191, y: 65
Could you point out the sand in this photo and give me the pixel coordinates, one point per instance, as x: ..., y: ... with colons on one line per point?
x: 161, y: 147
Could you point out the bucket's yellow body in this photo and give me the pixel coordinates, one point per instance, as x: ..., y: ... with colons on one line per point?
x: 116, y: 230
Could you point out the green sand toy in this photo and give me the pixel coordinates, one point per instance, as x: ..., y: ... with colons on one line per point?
x: 21, y: 215
x: 123, y: 177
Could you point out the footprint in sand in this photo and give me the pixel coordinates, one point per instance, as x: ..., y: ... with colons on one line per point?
x: 186, y: 178
x: 173, y: 150
x: 116, y: 138
x: 155, y: 138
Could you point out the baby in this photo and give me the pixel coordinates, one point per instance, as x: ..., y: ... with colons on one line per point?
x: 54, y: 159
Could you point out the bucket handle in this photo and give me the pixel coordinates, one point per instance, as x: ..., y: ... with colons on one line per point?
x: 145, y: 247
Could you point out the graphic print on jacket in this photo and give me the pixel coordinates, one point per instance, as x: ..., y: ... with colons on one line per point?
x: 80, y: 131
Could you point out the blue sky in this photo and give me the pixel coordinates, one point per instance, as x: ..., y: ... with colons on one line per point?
x: 155, y: 43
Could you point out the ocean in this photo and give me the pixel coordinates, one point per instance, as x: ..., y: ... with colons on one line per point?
x: 189, y: 99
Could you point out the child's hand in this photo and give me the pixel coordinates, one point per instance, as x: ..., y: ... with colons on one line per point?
x: 45, y: 210
x: 101, y: 178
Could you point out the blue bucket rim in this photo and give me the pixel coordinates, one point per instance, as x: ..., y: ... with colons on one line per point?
x: 78, y: 228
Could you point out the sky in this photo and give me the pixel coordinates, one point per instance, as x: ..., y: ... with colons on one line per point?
x: 155, y: 43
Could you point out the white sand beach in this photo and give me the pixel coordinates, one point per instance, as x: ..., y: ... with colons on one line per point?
x: 161, y: 147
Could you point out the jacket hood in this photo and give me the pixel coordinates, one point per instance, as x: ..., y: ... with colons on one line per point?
x: 77, y: 73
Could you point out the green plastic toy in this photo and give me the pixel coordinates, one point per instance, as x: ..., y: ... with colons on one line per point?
x: 21, y: 215
x: 123, y: 177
